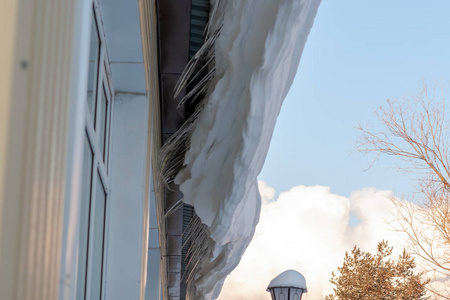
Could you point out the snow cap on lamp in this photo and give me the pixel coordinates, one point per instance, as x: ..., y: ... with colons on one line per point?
x: 289, y: 285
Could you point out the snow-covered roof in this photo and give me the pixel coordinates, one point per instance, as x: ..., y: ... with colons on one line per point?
x: 289, y: 278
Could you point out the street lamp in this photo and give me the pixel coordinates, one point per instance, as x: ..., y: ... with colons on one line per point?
x: 289, y: 285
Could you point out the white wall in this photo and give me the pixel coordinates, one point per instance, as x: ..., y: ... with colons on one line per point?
x: 127, y: 202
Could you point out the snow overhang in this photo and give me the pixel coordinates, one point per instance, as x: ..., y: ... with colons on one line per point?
x: 243, y: 72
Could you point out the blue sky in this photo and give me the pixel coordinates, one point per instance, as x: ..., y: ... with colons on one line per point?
x: 358, y: 54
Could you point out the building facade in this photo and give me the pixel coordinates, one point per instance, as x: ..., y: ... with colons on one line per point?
x: 131, y: 137
x: 79, y: 135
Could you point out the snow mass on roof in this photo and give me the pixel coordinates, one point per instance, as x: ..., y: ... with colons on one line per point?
x: 256, y: 58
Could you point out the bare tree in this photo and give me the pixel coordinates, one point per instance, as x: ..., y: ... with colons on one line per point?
x: 415, y: 131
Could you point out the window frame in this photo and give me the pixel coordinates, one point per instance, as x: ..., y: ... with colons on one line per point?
x: 100, y: 167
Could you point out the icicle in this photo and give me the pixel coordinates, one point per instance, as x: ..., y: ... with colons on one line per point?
x: 173, y: 208
x: 199, y: 88
x: 205, y: 53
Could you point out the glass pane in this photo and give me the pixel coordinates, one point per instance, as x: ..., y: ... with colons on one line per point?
x: 84, y: 218
x: 281, y: 293
x: 98, y: 232
x: 103, y: 118
x: 296, y: 294
x: 94, y: 53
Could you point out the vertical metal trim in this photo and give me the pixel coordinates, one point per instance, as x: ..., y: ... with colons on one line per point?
x: 33, y: 196
x: 147, y: 15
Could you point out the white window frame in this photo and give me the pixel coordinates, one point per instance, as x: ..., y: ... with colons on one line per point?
x: 100, y: 159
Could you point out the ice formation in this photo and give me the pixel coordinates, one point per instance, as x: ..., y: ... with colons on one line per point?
x: 256, y: 57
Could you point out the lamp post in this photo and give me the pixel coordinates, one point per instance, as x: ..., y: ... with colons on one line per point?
x: 289, y: 285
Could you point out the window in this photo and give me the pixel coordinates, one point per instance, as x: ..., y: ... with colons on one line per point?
x: 96, y: 181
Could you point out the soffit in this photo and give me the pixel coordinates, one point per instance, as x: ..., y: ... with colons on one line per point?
x: 123, y: 37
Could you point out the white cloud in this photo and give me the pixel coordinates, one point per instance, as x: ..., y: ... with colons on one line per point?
x: 307, y: 229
